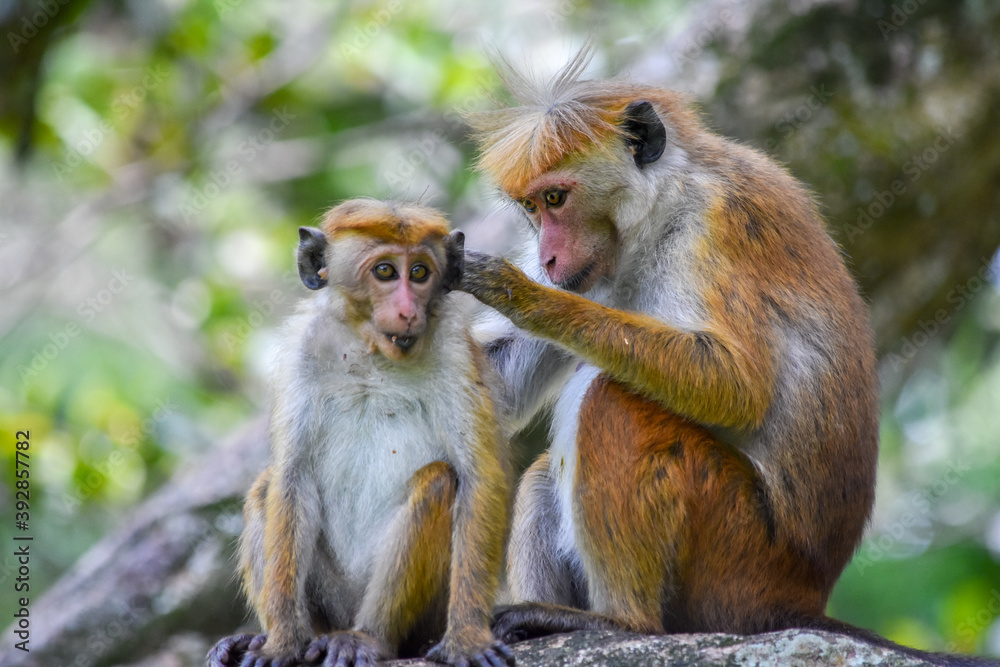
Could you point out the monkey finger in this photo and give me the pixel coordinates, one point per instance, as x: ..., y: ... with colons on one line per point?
x: 343, y: 656
x: 256, y: 643
x: 316, y: 650
x: 504, y: 652
x: 488, y: 659
x: 228, y: 650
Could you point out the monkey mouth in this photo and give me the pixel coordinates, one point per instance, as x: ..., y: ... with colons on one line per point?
x: 574, y: 282
x: 404, y: 343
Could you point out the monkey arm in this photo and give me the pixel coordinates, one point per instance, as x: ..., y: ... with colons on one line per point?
x: 480, y: 518
x: 531, y: 368
x: 714, y: 376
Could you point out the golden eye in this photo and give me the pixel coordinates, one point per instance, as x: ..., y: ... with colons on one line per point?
x: 529, y: 205
x: 555, y: 198
x: 419, y: 273
x: 384, y: 271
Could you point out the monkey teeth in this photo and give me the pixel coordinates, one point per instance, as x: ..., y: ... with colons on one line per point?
x: 402, y: 342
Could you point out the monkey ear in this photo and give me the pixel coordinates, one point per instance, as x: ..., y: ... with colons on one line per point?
x: 647, y: 136
x: 454, y: 250
x: 312, y: 257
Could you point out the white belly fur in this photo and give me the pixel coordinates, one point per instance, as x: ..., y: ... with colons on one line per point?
x: 362, y: 473
x: 563, y: 454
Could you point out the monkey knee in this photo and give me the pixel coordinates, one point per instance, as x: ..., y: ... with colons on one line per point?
x: 435, y: 484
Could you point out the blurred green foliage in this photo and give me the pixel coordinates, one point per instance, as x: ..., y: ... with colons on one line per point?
x: 171, y: 149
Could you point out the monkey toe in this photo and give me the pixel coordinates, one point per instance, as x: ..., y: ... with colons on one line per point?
x: 345, y: 649
x: 497, y: 655
x: 229, y: 651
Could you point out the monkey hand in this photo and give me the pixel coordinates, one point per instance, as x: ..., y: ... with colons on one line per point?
x: 489, y: 653
x: 346, y: 649
x: 493, y: 280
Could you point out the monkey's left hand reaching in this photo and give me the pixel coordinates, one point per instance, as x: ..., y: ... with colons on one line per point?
x: 494, y: 654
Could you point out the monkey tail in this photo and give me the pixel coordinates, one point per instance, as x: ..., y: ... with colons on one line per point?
x: 869, y: 637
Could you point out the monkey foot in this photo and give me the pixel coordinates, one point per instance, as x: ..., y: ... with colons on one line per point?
x: 243, y: 651
x: 514, y: 623
x: 496, y: 654
x: 346, y: 649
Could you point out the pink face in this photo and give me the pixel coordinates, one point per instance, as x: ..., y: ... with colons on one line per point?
x: 576, y: 241
x: 402, y: 284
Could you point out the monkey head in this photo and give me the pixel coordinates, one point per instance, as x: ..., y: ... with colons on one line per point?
x: 585, y: 161
x: 392, y: 262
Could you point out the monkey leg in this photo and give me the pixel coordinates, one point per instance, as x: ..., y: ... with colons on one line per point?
x: 675, y: 531
x: 536, y: 570
x: 678, y: 530
x: 404, y: 605
x: 548, y: 590
x: 232, y: 651
x: 267, y: 650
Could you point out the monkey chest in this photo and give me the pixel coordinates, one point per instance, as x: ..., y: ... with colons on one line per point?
x: 364, y: 468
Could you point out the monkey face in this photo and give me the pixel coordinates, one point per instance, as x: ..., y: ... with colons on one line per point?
x: 401, y: 286
x: 391, y: 262
x: 577, y: 242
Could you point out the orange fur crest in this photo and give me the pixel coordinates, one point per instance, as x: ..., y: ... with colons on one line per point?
x: 390, y: 222
x: 556, y: 119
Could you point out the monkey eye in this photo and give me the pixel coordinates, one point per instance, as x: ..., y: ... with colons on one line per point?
x: 555, y: 198
x: 419, y: 273
x: 529, y: 205
x: 384, y: 271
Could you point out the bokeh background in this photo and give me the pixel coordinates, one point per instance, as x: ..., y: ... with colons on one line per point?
x: 157, y: 157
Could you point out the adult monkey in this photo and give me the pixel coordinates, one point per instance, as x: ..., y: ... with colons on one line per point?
x: 715, y: 422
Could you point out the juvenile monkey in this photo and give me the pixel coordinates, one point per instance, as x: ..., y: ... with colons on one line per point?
x: 379, y: 525
x: 709, y: 359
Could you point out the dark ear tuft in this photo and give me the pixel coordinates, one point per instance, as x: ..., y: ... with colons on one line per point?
x: 454, y: 250
x: 312, y: 257
x: 647, y: 137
